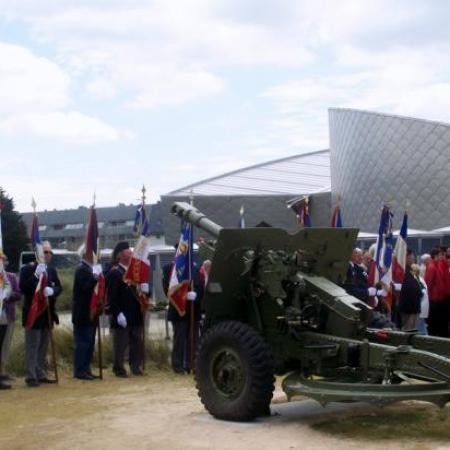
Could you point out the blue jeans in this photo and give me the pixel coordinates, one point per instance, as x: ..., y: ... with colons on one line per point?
x: 84, y: 337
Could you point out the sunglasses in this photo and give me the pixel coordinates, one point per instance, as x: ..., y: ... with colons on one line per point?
x: 46, y: 252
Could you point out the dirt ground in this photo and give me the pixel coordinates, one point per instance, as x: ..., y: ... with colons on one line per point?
x: 162, y: 411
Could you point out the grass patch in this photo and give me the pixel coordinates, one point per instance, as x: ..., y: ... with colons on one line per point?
x: 64, y: 301
x: 157, y: 352
x: 400, y: 421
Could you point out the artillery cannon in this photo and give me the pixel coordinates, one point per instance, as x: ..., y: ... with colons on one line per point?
x: 274, y: 306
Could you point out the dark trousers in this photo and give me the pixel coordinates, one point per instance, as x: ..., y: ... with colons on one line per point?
x: 130, y: 337
x: 180, y: 329
x: 3, y: 329
x: 36, y: 345
x: 181, y: 350
x: 84, y: 337
x: 438, y: 318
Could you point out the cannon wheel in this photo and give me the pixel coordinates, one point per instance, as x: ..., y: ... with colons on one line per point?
x: 234, y: 372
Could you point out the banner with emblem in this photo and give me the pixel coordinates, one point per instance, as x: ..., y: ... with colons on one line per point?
x: 182, y: 269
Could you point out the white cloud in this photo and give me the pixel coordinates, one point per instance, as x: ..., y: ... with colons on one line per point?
x: 29, y: 82
x: 101, y: 88
x: 70, y: 127
x: 35, y: 94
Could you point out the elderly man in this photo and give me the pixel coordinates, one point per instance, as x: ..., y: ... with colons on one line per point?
x: 11, y: 295
x: 37, y: 336
x: 126, y: 315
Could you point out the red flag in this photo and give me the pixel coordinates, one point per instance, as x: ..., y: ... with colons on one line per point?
x: 97, y: 299
x: 39, y: 302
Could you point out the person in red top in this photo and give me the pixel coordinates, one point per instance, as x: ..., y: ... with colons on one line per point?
x: 437, y: 280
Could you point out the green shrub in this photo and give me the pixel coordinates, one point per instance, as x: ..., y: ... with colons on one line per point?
x: 64, y: 302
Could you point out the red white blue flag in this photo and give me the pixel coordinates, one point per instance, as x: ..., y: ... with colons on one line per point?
x: 384, y: 249
x: 182, y: 270
x: 39, y: 302
x: 139, y: 269
x: 399, y: 256
x: 301, y: 209
x: 336, y: 219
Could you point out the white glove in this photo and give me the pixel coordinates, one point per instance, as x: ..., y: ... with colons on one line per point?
x: 397, y: 286
x: 48, y: 291
x: 191, y: 296
x: 372, y: 291
x: 375, y: 302
x: 7, y: 291
x: 40, y: 269
x: 145, y: 288
x: 381, y: 293
x: 122, y: 320
x: 97, y: 269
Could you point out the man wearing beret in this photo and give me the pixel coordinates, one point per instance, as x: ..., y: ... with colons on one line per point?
x: 37, y: 337
x: 126, y: 315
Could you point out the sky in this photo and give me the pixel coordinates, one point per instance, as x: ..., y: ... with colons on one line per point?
x: 104, y: 95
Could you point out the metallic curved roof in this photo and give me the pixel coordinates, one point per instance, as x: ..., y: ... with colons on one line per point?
x: 306, y: 173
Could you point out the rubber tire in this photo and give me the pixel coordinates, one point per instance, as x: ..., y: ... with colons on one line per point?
x: 254, y: 355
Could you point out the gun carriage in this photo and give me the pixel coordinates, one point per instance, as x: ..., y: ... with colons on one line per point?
x: 274, y: 306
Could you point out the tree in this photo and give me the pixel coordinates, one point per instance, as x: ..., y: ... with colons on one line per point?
x: 14, y: 232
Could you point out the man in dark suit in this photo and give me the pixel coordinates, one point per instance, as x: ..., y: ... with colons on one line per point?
x: 37, y: 337
x: 126, y: 315
x: 84, y: 326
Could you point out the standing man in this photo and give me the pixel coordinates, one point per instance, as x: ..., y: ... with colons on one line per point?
x: 37, y: 336
x: 179, y: 326
x: 11, y: 296
x: 84, y: 326
x: 126, y: 315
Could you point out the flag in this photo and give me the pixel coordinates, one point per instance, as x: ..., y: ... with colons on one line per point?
x: 91, y: 243
x: 139, y: 268
x: 241, y: 218
x: 301, y: 209
x: 383, y: 254
x: 182, y: 269
x: 399, y: 256
x: 39, y: 302
x: 92, y: 255
x: 336, y: 220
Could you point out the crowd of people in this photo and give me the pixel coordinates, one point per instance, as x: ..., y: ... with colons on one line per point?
x: 123, y: 303
x: 420, y: 302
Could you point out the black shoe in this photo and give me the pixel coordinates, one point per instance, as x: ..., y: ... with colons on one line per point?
x: 4, y: 386
x: 179, y: 372
x: 95, y: 377
x: 85, y: 377
x: 31, y: 382
x: 137, y: 372
x: 121, y: 373
x: 45, y: 380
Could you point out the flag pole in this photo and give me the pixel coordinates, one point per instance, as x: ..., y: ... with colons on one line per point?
x: 191, y: 307
x: 49, y: 317
x: 140, y: 294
